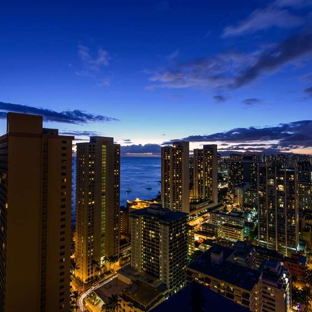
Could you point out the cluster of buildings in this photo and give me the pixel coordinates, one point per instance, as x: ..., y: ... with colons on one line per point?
x: 35, y: 223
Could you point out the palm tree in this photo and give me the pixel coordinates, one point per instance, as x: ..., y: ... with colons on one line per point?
x: 302, y: 296
x: 113, y: 303
x: 74, y: 266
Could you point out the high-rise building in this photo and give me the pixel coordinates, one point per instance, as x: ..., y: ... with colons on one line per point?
x: 278, y: 213
x: 304, y: 186
x: 175, y: 189
x: 97, y: 204
x: 35, y: 216
x: 243, y: 168
x: 205, y: 175
x: 159, y: 244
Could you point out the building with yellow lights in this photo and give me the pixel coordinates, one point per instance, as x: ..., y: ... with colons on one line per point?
x: 97, y: 205
x: 175, y: 190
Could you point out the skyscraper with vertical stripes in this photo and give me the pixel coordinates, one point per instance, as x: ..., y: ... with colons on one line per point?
x: 175, y: 189
x: 35, y: 216
x: 97, y: 205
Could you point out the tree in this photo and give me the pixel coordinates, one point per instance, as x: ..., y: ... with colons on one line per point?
x: 308, y: 277
x: 302, y: 296
x: 113, y: 303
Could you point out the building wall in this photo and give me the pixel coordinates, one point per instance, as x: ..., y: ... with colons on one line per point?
x: 205, y: 174
x: 278, y: 214
x: 175, y: 191
x: 37, y: 207
x: 97, y: 204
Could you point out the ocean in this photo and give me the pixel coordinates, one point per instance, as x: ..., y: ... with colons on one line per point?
x: 139, y: 175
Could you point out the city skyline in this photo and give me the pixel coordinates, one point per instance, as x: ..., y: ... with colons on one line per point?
x: 149, y: 73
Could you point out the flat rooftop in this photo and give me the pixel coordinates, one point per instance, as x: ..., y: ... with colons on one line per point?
x: 226, y: 271
x: 114, y: 287
x: 134, y: 275
x: 213, y: 302
x: 142, y: 293
x: 162, y: 214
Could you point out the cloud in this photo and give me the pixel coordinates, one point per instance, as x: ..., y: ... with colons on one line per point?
x: 288, y: 50
x: 173, y: 55
x: 262, y: 19
x: 306, y: 77
x: 292, y: 3
x: 251, y: 101
x: 127, y: 141
x: 141, y: 149
x: 308, y: 91
x: 201, y: 72
x: 92, y: 66
x: 81, y: 133
x: 70, y: 116
x: 93, y: 63
x: 296, y: 134
x: 221, y: 98
x: 105, y: 82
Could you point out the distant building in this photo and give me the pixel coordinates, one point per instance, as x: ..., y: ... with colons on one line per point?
x: 243, y: 168
x: 175, y: 189
x: 278, y: 211
x: 97, y: 204
x: 205, y: 175
x: 159, y: 244
x: 35, y: 216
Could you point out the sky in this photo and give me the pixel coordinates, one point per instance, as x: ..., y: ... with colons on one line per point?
x: 233, y: 73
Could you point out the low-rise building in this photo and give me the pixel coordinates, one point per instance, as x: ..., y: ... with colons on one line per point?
x: 231, y: 232
x: 253, y: 289
x: 237, y: 283
x: 296, y: 265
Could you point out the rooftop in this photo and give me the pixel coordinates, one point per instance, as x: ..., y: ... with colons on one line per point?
x: 226, y: 271
x: 134, y: 275
x: 163, y: 214
x: 212, y: 302
x: 142, y: 293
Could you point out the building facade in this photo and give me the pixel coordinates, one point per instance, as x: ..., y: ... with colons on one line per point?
x: 278, y: 213
x: 159, y: 244
x: 97, y: 205
x: 35, y: 216
x: 205, y: 177
x: 175, y: 188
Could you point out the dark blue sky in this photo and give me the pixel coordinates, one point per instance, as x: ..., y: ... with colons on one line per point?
x: 153, y: 71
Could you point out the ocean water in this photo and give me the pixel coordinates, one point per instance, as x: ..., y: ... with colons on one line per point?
x: 140, y: 175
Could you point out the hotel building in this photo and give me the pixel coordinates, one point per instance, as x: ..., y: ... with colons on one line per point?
x: 278, y: 213
x: 205, y: 175
x: 159, y: 244
x: 97, y: 204
x: 35, y: 216
x: 175, y: 189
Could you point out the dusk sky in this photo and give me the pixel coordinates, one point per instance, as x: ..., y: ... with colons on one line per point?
x: 234, y: 73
